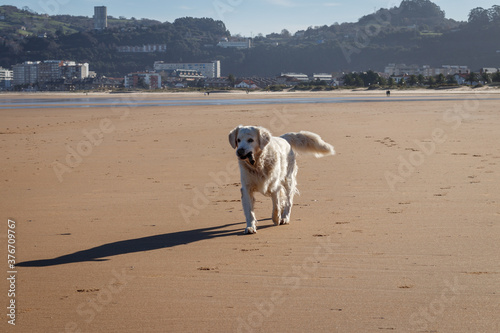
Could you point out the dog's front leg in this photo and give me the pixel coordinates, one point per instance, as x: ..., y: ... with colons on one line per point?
x: 247, y: 199
x: 276, y: 196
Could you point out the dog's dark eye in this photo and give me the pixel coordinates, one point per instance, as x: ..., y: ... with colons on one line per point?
x: 250, y: 140
x: 239, y: 140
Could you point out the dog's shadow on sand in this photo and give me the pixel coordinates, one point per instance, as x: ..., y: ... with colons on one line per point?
x: 143, y: 244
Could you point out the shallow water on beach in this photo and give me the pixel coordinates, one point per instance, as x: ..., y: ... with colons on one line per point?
x: 22, y: 103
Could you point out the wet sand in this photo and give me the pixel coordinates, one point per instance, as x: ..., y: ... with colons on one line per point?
x: 130, y: 220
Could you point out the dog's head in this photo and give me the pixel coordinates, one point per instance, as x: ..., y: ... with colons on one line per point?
x: 249, y: 141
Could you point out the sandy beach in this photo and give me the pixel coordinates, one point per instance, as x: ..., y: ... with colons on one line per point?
x: 129, y: 219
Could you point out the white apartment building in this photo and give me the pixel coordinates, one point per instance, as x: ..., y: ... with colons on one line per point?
x: 148, y: 48
x: 400, y: 69
x: 73, y: 70
x: 238, y: 44
x: 322, y: 77
x: 209, y: 70
x: 5, y: 78
x: 426, y: 70
x: 5, y: 74
x: 298, y: 76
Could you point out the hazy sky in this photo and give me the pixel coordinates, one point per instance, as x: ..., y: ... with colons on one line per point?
x: 245, y: 17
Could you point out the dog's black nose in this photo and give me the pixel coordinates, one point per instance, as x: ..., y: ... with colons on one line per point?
x: 240, y: 152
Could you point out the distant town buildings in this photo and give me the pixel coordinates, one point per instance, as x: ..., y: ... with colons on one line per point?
x: 32, y: 72
x: 73, y: 70
x: 63, y: 75
x: 245, y: 43
x: 149, y: 48
x: 100, y: 17
x: 426, y: 70
x: 448, y: 70
x: 298, y: 77
x: 489, y: 70
x: 322, y: 77
x: 246, y: 84
x: 143, y: 80
x: 219, y: 82
x: 209, y: 70
x: 187, y: 74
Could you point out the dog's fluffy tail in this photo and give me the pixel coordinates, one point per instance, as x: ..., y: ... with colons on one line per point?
x: 308, y: 142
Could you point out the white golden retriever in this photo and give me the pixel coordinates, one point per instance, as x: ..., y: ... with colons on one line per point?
x: 267, y: 165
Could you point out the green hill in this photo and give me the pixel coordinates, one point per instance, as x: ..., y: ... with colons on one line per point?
x: 415, y: 32
x: 18, y: 23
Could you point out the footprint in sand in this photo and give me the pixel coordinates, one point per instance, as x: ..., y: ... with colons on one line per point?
x: 486, y: 166
x: 394, y: 211
x: 207, y: 268
x: 388, y: 142
x: 92, y: 290
x: 231, y: 185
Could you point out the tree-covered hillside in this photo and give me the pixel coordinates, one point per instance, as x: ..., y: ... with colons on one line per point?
x: 415, y: 32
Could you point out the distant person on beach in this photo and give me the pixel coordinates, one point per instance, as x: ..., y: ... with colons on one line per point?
x: 388, y: 93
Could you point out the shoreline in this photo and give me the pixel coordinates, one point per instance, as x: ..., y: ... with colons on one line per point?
x: 232, y: 93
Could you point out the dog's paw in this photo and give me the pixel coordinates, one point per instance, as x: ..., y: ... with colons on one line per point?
x: 251, y: 230
x: 285, y: 221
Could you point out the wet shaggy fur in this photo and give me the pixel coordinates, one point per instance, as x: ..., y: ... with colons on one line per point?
x: 267, y: 165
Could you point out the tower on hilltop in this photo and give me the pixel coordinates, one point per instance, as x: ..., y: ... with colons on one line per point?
x: 100, y: 17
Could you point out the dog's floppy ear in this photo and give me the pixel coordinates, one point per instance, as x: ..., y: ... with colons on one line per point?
x: 264, y: 137
x: 233, y: 135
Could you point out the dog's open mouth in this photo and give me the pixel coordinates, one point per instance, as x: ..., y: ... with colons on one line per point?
x: 250, y: 158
